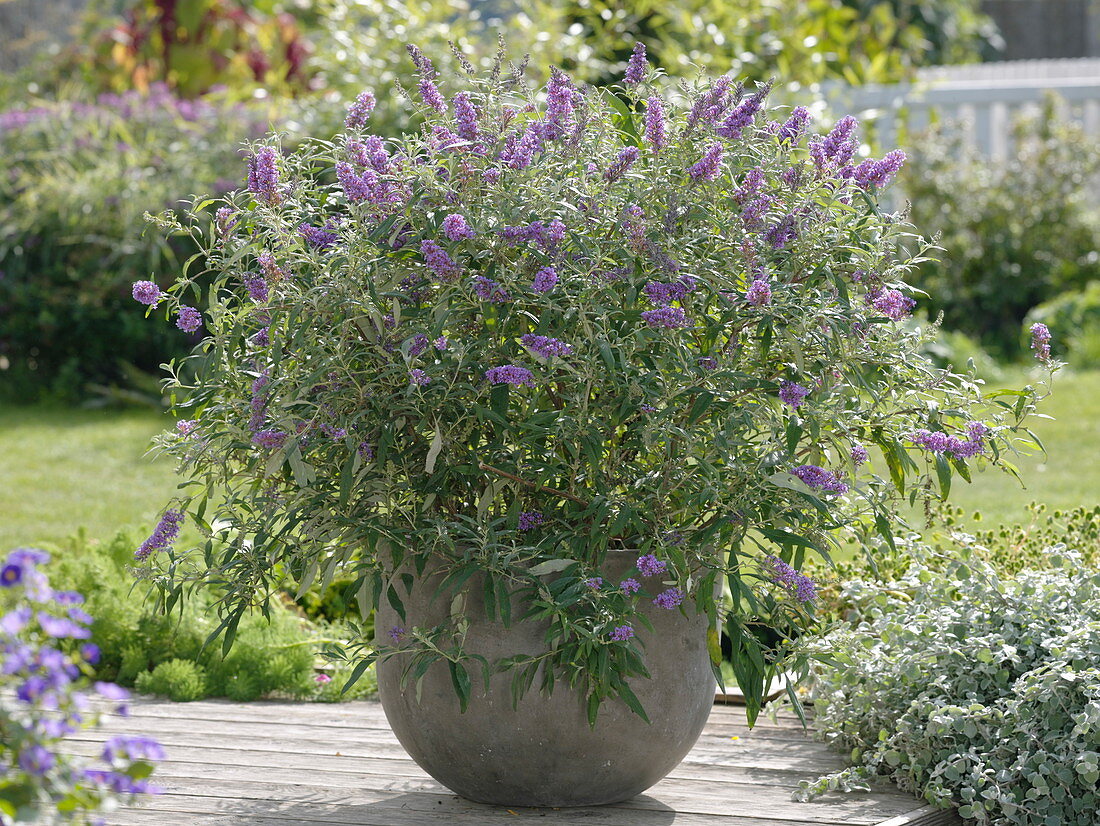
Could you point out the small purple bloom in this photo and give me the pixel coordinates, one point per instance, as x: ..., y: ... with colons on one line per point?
x: 759, y: 293
x: 820, y: 479
x: 456, y: 228
x: 545, y: 280
x: 441, y: 264
x: 636, y: 66
x: 622, y: 633
x: 359, y: 111
x: 859, y: 454
x: 708, y: 363
x: 189, y: 319
x: 671, y: 318
x: 655, y: 123
x: 146, y: 292
x: 440, y: 343
x: 792, y: 394
x: 89, y: 652
x: 396, y: 633
x: 630, y: 586
x: 263, y: 175
x: 706, y: 169
x: 163, y: 535
x: 316, y: 236
x: 270, y: 439
x: 430, y: 94
x: 595, y: 582
x: 621, y: 164
x: 741, y: 117
x: 10, y: 575
x: 893, y: 304
x: 465, y: 117
x: 419, y: 377
x: 545, y: 346
x: 795, y: 125
x: 366, y: 451
x: 796, y: 583
x: 650, y: 565
x: 1040, y: 341
x: 36, y: 759
x: 529, y: 520
x: 669, y: 598
x: 511, y: 374
x: 489, y: 290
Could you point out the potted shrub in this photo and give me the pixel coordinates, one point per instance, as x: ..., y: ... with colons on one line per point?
x: 568, y: 379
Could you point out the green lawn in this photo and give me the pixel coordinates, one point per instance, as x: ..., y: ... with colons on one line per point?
x: 62, y: 469
x: 65, y: 469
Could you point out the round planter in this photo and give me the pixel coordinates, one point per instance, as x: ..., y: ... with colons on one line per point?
x: 543, y: 752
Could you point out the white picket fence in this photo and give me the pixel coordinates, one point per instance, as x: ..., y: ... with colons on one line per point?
x: 984, y: 100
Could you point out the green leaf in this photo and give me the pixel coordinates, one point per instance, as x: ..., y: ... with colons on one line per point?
x: 433, y: 451
x: 943, y: 472
x: 460, y: 679
x: 550, y: 566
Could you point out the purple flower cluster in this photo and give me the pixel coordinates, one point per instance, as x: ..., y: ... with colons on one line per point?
x: 655, y: 123
x: 489, y: 290
x: 663, y: 294
x: 759, y: 293
x: 548, y: 236
x: 559, y: 105
x: 164, y: 534
x: 225, y: 219
x: 465, y: 117
x: 442, y: 265
x: 520, y: 147
x: 795, y: 125
x: 185, y: 427
x: 1040, y: 341
x: 268, y: 266
x: 258, y: 402
x: 754, y: 181
x: 710, y: 106
x: 545, y: 280
x: 669, y: 318
x: 936, y: 441
x: 878, y: 173
x: 707, y: 167
x: 594, y: 582
x: 256, y: 286
x: 318, y: 237
x: 742, y: 116
x: 621, y: 633
x: 546, y: 346
x: 650, y: 565
x: 269, y: 439
x: 366, y: 187
x: 370, y: 151
x: 782, y: 232
x: 820, y: 479
x: 189, y: 319
x: 419, y: 378
x: 621, y: 165
x: 636, y: 66
x: 263, y: 175
x: 859, y: 454
x: 891, y: 303
x: 529, y: 520
x: 456, y: 228
x: 359, y: 111
x: 630, y: 586
x: 511, y: 374
x: 797, y: 584
x: 669, y: 598
x: 146, y: 292
x: 792, y: 394
x: 837, y: 148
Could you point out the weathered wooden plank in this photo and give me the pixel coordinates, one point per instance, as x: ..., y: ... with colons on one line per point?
x: 926, y: 816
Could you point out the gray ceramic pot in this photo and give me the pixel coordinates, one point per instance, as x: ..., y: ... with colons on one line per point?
x: 544, y: 753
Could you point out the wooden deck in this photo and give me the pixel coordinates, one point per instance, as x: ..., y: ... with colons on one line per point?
x: 279, y: 764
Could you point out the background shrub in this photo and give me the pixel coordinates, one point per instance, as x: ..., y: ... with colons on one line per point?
x: 1014, y: 233
x: 972, y: 690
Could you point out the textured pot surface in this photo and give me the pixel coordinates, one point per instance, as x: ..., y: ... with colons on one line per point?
x: 544, y: 753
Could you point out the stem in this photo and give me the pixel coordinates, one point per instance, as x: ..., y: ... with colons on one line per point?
x: 529, y: 484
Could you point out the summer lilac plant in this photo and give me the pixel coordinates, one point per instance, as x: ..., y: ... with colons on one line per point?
x: 45, y: 696
x: 670, y: 339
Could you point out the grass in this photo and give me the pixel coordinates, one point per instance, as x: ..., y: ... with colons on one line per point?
x: 64, y: 469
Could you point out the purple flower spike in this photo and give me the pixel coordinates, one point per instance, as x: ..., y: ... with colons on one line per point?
x: 359, y: 111
x: 263, y: 176
x: 669, y: 318
x: 270, y: 439
x: 529, y: 520
x: 636, y: 67
x: 163, y: 535
x: 655, y: 124
x: 622, y: 633
x: 669, y: 598
x: 650, y: 565
x: 1040, y: 341
x: 630, y: 586
x: 759, y: 293
x: 545, y: 280
x: 708, y: 166
x: 792, y: 394
x: 595, y: 583
x: 146, y: 292
x: 419, y: 377
x: 465, y: 117
x: 189, y: 319
x: 797, y: 584
x: 859, y: 454
x: 546, y: 346
x: 622, y: 164
x: 456, y: 228
x: 511, y: 374
x: 790, y: 131
x: 820, y: 479
x: 441, y: 264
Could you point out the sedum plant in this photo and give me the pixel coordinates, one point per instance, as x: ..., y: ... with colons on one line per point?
x: 550, y: 324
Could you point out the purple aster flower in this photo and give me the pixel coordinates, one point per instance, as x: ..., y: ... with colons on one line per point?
x: 441, y: 264
x: 545, y: 346
x: 189, y: 319
x: 859, y: 454
x: 622, y: 633
x: 511, y: 374
x: 621, y: 165
x: 146, y: 292
x: 456, y: 228
x: 465, y: 117
x: 655, y: 123
x: 545, y: 280
x: 891, y: 303
x: 529, y: 520
x: 164, y: 534
x: 792, y: 394
x: 419, y: 377
x: 1040, y: 341
x: 10, y: 575
x: 669, y: 598
x: 595, y: 582
x: 795, y: 125
x: 636, y: 66
x: 671, y: 318
x: 489, y: 290
x: 263, y: 175
x: 270, y: 439
x: 630, y: 586
x: 706, y: 169
x: 316, y: 236
x: 759, y: 293
x: 650, y: 565
x: 820, y: 479
x: 359, y: 111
